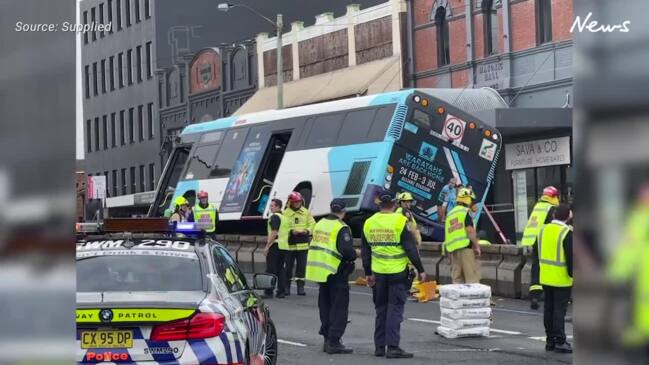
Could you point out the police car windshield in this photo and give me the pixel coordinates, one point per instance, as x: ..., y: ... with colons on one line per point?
x: 139, y: 273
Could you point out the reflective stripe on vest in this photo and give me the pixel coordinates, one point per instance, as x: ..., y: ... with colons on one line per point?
x: 552, y: 261
x: 323, y: 258
x: 383, y: 233
x: 535, y: 223
x: 299, y: 220
x: 456, y: 237
x: 206, y: 216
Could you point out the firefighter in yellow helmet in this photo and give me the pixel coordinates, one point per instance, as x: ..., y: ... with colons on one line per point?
x: 181, y: 210
x: 541, y: 215
x: 461, y: 242
x: 406, y: 202
x: 629, y: 265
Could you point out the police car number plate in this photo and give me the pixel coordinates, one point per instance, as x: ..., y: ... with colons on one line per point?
x: 106, y: 339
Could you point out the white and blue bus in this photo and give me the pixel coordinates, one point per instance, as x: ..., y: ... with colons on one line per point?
x: 413, y: 140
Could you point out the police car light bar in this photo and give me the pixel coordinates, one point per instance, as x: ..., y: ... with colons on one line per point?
x: 190, y: 227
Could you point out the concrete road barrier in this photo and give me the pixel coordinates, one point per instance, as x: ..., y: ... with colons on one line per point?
x: 489, y: 260
x: 232, y: 243
x: 245, y: 253
x: 509, y: 272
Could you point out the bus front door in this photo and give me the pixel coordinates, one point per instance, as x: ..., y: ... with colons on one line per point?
x: 263, y: 184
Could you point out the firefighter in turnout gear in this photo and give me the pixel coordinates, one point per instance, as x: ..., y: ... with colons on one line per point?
x: 273, y: 252
x: 406, y: 202
x: 387, y: 246
x: 554, y: 251
x: 541, y: 215
x: 329, y: 263
x: 297, y: 226
x: 461, y: 242
x: 205, y: 213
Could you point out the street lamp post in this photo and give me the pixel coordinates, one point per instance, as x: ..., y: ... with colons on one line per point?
x: 278, y: 25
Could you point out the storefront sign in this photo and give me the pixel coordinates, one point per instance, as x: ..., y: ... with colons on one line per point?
x: 544, y: 152
x: 491, y: 75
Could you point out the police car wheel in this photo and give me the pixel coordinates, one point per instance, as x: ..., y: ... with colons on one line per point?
x: 270, y: 355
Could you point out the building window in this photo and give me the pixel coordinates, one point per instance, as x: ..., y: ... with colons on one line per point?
x: 97, y: 134
x: 101, y: 19
x: 142, y: 180
x: 149, y: 65
x: 112, y: 130
x: 120, y: 69
x: 140, y: 122
x: 110, y: 15
x: 94, y: 78
x: 152, y: 177
x: 87, y: 83
x: 114, y: 182
x: 122, y: 125
x: 123, y: 181
x: 137, y: 11
x: 118, y: 11
x: 129, y: 65
x: 88, y: 136
x: 103, y: 76
x: 111, y: 72
x: 127, y: 6
x: 138, y: 59
x: 490, y: 24
x: 104, y: 123
x: 149, y: 116
x: 85, y: 21
x: 131, y: 125
x: 147, y: 9
x: 443, y: 50
x: 544, y: 20
x: 133, y: 186
x: 93, y: 19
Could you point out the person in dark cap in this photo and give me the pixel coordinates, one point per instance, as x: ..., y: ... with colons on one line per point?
x: 387, y: 245
x: 330, y: 261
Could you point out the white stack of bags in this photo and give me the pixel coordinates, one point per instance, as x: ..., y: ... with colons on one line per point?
x: 466, y: 310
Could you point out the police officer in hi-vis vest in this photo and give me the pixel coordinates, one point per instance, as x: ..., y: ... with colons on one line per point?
x: 205, y: 213
x: 554, y: 251
x: 541, y: 215
x: 329, y: 263
x: 297, y: 226
x: 274, y: 251
x: 387, y: 246
x: 461, y: 242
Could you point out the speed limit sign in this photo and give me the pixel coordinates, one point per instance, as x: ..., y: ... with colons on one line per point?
x: 454, y: 128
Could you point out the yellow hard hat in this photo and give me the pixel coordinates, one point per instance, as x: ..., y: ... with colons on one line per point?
x: 465, y: 196
x: 405, y: 197
x: 180, y: 201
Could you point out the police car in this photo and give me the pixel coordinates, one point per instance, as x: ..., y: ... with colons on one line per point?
x: 163, y: 299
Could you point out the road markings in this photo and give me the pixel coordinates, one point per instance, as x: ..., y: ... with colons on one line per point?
x: 291, y: 343
x: 492, y: 329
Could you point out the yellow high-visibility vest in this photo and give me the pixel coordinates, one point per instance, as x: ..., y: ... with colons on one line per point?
x: 383, y: 234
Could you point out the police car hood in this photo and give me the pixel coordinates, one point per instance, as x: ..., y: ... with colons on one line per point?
x: 134, y: 299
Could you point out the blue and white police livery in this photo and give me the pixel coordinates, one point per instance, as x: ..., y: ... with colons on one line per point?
x: 167, y: 300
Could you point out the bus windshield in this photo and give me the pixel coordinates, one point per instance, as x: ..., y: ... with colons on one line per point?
x: 170, y: 177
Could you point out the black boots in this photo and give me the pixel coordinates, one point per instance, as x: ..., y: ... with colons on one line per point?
x: 300, y: 288
x: 335, y: 347
x: 395, y: 352
x: 563, y: 348
x: 534, y: 304
x: 379, y: 351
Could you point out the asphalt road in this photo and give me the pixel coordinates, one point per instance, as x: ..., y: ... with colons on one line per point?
x: 517, y: 335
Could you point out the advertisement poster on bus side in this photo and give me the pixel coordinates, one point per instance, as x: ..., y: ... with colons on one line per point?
x: 244, y: 172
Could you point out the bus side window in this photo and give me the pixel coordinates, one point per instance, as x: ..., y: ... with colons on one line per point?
x: 325, y: 130
x: 232, y: 144
x: 381, y: 123
x: 356, y: 127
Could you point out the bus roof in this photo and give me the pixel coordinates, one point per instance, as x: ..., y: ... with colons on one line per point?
x: 469, y: 100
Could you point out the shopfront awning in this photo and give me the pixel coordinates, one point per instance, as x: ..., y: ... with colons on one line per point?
x: 369, y: 78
